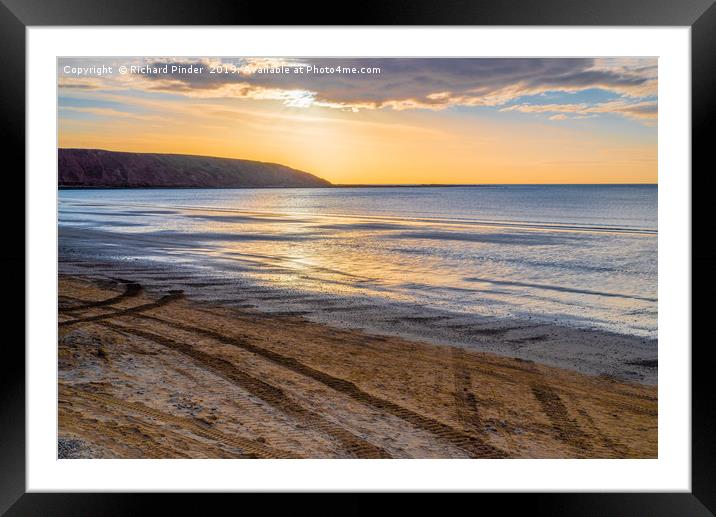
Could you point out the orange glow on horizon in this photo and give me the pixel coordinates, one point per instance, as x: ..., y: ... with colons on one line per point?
x: 386, y: 152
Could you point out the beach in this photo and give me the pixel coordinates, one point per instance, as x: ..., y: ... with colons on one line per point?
x: 463, y: 322
x: 153, y: 374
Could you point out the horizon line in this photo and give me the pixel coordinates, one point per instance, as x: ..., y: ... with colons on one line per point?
x: 354, y: 185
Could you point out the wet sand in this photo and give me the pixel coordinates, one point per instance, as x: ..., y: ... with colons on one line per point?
x: 556, y: 343
x: 154, y: 375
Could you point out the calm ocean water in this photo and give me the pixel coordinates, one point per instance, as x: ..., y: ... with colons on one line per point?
x: 583, y: 256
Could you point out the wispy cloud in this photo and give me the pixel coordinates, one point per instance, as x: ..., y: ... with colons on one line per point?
x: 646, y: 110
x: 109, y: 112
x: 213, y: 109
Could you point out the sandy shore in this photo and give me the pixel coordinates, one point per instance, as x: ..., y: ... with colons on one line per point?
x: 153, y: 375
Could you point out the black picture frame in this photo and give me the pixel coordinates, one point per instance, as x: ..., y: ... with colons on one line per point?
x: 700, y: 15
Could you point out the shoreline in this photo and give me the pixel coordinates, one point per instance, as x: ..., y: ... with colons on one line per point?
x: 588, y: 351
x: 154, y: 374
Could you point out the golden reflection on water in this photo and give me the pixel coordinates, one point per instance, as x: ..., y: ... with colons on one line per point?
x: 347, y: 255
x: 440, y: 260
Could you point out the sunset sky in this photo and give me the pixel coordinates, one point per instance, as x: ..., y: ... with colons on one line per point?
x: 416, y: 121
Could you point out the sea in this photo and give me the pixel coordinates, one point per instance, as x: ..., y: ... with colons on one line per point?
x: 579, y: 256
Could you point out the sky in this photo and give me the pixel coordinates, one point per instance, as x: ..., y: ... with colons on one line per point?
x: 377, y: 120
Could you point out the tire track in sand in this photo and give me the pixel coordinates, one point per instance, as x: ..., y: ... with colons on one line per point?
x: 566, y: 428
x: 474, y: 445
x: 131, y: 289
x: 355, y: 445
x: 172, y: 296
x: 465, y: 400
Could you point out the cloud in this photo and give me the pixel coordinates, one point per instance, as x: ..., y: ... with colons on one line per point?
x: 395, y: 84
x: 401, y: 83
x: 641, y: 110
x: 212, y: 110
x: 81, y: 83
x: 644, y: 110
x: 423, y: 83
x: 109, y: 112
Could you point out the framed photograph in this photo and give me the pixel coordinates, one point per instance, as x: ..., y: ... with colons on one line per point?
x: 445, y: 250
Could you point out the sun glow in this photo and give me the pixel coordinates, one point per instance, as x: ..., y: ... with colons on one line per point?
x: 419, y: 121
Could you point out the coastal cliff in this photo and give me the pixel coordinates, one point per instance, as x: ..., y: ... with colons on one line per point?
x: 108, y: 169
